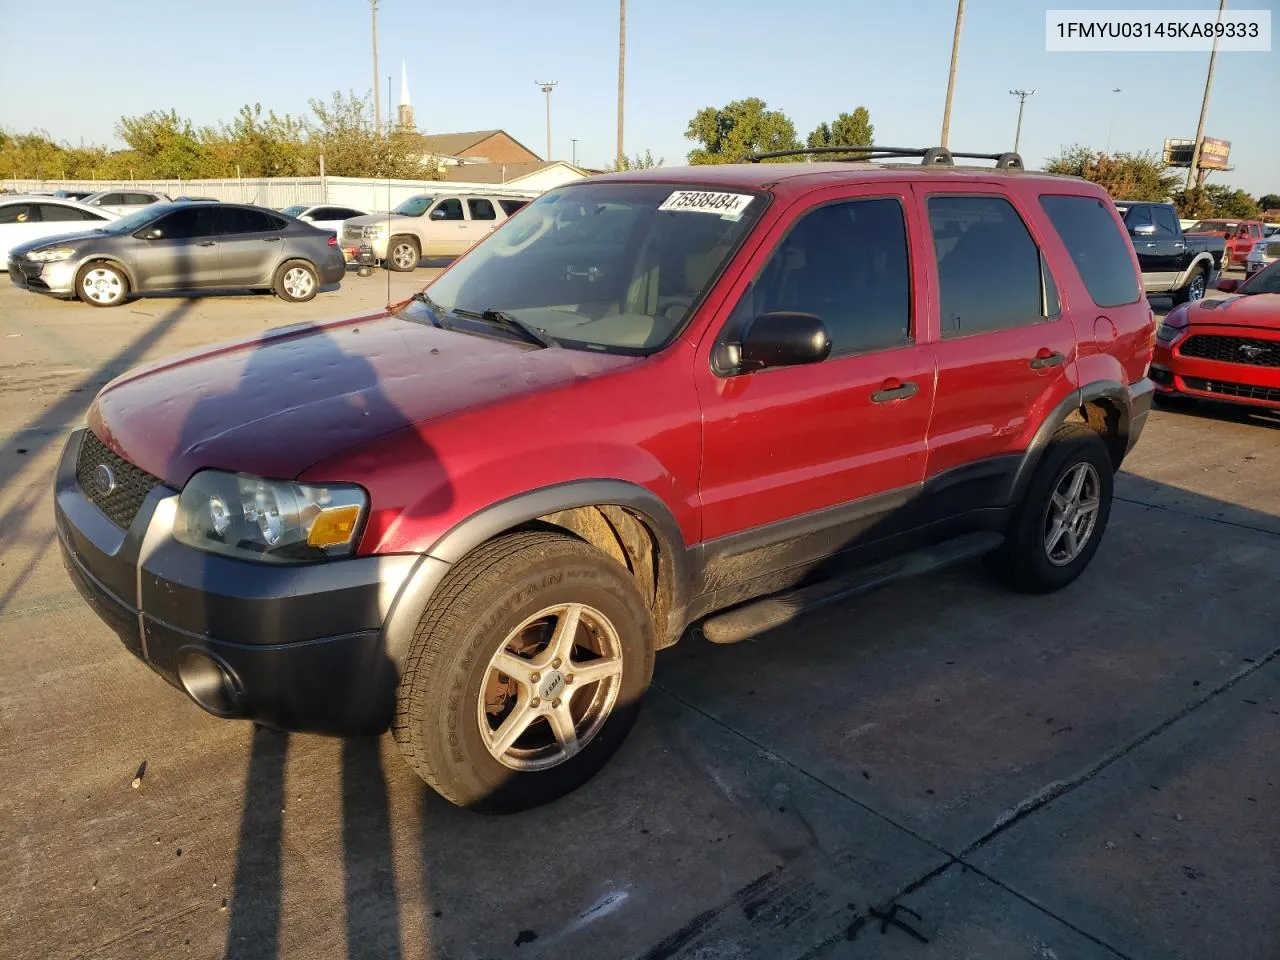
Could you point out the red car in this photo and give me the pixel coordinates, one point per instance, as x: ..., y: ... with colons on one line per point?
x: 1240, y: 236
x: 1224, y: 349
x: 713, y: 396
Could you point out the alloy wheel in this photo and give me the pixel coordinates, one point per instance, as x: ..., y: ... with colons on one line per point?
x: 1072, y: 514
x: 405, y: 256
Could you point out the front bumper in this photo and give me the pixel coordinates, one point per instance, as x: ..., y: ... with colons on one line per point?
x: 1252, y: 385
x: 57, y: 278
x: 351, y: 245
x: 296, y: 647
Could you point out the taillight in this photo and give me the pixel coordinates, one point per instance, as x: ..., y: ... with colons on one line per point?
x: 333, y: 239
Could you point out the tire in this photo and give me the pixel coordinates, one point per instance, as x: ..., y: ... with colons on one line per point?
x: 1226, y: 261
x: 102, y: 285
x: 296, y: 281
x: 1197, y: 286
x: 450, y: 686
x: 403, y: 254
x: 1026, y: 561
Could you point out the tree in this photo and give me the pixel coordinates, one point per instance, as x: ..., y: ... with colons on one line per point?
x: 1192, y: 204
x: 270, y: 146
x: 729, y: 134
x: 166, y: 146
x: 342, y: 129
x: 1269, y: 201
x: 1125, y: 176
x: 1231, y: 203
x: 641, y: 161
x: 848, y: 129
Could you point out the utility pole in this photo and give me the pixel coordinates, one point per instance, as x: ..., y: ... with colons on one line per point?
x: 547, y: 86
x: 951, y: 78
x: 1194, y: 169
x: 1022, y: 101
x: 622, y: 69
x: 574, y: 141
x: 1112, y: 122
x: 377, y: 97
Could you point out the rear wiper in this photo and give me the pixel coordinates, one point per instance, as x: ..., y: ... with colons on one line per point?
x: 503, y: 319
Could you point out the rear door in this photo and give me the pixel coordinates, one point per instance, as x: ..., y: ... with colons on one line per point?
x: 800, y: 463
x: 482, y: 219
x: 250, y: 244
x: 183, y: 257
x: 1005, y: 352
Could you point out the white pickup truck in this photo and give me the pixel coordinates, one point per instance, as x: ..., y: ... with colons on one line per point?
x: 428, y: 225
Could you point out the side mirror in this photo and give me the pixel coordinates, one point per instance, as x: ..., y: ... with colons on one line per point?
x: 783, y: 339
x: 1228, y: 286
x: 1144, y: 230
x: 437, y: 214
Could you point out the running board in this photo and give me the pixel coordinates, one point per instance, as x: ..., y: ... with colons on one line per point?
x: 778, y: 609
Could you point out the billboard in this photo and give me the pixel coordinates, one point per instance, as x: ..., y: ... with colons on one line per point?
x: 1213, y: 153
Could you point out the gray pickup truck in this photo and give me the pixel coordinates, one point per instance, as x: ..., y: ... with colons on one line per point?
x: 1176, y: 264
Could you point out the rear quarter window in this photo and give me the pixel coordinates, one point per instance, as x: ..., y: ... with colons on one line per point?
x: 1098, y: 249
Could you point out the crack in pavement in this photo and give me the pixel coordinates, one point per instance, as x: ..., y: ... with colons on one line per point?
x: 1197, y: 516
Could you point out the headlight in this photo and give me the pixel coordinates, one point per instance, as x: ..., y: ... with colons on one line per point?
x: 1173, y: 326
x: 50, y: 254
x: 375, y: 229
x: 269, y: 520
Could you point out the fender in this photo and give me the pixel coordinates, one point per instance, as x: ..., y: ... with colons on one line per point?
x: 430, y: 568
x: 1205, y: 260
x: 113, y: 261
x: 1097, y: 390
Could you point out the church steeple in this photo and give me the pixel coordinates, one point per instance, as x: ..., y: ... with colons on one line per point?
x: 405, y: 117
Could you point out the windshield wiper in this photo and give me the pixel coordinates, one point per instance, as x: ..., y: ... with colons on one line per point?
x: 503, y: 319
x: 434, y: 313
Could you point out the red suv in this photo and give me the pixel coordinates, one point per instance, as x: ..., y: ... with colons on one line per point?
x: 713, y: 396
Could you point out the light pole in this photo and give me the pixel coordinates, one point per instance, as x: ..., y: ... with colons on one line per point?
x: 622, y: 65
x: 951, y: 77
x: 1022, y: 102
x: 574, y: 141
x: 1112, y: 123
x: 547, y: 86
x: 377, y: 98
x: 1204, y: 106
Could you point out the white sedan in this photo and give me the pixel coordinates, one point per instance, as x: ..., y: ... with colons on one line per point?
x: 326, y: 216
x: 121, y: 201
x: 24, y: 218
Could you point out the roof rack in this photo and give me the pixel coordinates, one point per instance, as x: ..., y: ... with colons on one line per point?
x: 929, y: 156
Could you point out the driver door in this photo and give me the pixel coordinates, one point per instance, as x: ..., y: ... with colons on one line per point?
x: 447, y: 233
x: 184, y: 254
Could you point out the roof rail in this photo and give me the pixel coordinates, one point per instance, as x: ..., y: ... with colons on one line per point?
x: 929, y: 156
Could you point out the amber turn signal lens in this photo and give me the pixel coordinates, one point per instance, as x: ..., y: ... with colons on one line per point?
x: 334, y: 527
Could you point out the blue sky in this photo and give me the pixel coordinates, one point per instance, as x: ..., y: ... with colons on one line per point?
x: 473, y: 66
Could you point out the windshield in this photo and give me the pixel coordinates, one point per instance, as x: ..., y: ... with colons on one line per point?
x: 414, y: 206
x: 135, y: 220
x: 1209, y: 226
x: 1264, y: 281
x: 297, y: 210
x: 612, y: 266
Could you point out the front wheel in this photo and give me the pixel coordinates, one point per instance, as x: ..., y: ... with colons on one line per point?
x: 526, y: 672
x: 403, y: 254
x: 102, y: 285
x: 1057, y: 527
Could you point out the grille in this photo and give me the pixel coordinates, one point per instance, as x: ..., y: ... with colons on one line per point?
x: 1273, y: 250
x: 121, y: 505
x: 1243, y: 390
x: 1253, y: 353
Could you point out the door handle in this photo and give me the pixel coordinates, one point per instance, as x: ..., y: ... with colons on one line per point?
x: 894, y: 389
x: 1046, y: 358
x: 207, y: 243
x: 269, y: 239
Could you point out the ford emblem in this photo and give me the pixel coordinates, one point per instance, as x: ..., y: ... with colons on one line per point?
x: 1253, y: 352
x: 104, y: 481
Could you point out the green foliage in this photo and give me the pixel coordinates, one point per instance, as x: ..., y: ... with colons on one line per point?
x: 1192, y: 204
x: 849, y: 129
x: 1231, y: 203
x: 729, y: 134
x: 1269, y: 201
x: 641, y: 161
x: 256, y: 143
x: 1125, y: 176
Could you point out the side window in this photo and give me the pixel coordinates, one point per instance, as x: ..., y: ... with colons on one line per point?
x: 1138, y: 217
x: 50, y: 212
x: 846, y: 263
x: 448, y: 209
x: 481, y: 209
x: 275, y: 222
x: 188, y: 224
x: 324, y: 213
x: 991, y: 274
x: 113, y: 200
x: 19, y: 213
x: 1166, y: 222
x: 241, y: 220
x: 1096, y: 246
x: 345, y: 213
x: 511, y: 206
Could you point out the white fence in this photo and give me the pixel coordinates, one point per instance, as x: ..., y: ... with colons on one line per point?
x: 366, y: 193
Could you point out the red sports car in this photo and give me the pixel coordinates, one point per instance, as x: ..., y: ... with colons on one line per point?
x: 1224, y: 349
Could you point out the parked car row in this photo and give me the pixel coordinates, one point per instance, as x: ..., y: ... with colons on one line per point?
x: 428, y: 225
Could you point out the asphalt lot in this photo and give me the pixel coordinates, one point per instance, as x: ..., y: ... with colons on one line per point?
x: 939, y: 769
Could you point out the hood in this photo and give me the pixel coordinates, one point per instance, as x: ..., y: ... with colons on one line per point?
x: 83, y: 236
x: 376, y: 218
x: 275, y: 405
x: 1259, y: 311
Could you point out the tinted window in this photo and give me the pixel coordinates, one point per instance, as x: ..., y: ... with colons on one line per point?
x: 989, y: 267
x: 50, y: 212
x: 187, y: 224
x: 450, y: 209
x: 481, y: 210
x: 276, y: 223
x: 511, y: 206
x: 345, y: 213
x: 1166, y: 222
x: 1138, y: 217
x: 325, y: 213
x: 1097, y: 248
x: 18, y: 213
x: 846, y: 263
x: 242, y: 220
x: 113, y: 199
x: 137, y: 199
